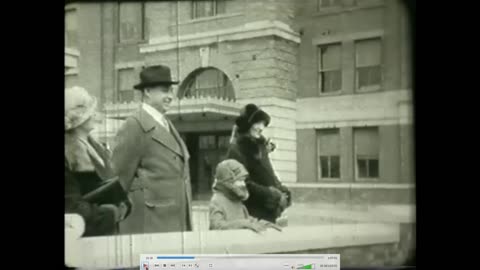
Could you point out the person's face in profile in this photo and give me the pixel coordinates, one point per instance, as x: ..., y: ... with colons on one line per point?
x: 160, y: 97
x: 89, y: 125
x: 240, y: 188
x: 257, y: 129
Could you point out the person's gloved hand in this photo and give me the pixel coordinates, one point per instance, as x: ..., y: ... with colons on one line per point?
x: 123, y: 210
x: 283, y: 204
x: 270, y: 145
x: 112, y: 209
x: 255, y: 226
x: 268, y: 224
x: 276, y: 195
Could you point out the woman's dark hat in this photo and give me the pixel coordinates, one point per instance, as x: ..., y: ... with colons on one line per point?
x: 250, y: 115
x: 153, y: 76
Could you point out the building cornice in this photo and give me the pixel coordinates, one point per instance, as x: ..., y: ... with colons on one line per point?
x: 246, y: 31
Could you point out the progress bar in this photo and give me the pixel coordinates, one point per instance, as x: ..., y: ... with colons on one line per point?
x: 240, y: 262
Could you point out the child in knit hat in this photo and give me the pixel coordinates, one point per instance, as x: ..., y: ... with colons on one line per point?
x: 227, y: 210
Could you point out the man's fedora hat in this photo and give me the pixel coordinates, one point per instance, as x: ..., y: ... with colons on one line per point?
x: 153, y: 76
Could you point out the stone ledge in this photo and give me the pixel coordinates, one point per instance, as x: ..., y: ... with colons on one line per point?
x: 351, y: 196
x: 352, y: 185
x: 246, y: 31
x: 124, y: 250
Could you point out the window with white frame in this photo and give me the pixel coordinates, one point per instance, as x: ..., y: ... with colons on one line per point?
x: 71, y: 28
x: 328, y: 143
x: 366, y: 153
x: 321, y: 4
x: 207, y: 8
x: 368, y: 64
x: 133, y: 24
x: 330, y: 68
x: 126, y: 79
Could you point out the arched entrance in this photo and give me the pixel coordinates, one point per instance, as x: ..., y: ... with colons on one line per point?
x: 208, y: 142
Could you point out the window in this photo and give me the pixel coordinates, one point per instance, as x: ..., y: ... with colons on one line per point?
x: 71, y: 28
x: 209, y: 82
x: 207, y: 142
x: 132, y: 26
x: 126, y: 80
x: 367, y: 152
x: 330, y: 68
x: 328, y: 3
x: 207, y: 8
x: 368, y: 69
x: 328, y: 153
x: 223, y: 142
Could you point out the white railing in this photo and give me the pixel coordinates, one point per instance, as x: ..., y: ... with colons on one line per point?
x: 125, y: 250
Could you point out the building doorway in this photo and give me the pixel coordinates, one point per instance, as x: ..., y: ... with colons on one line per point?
x: 207, y: 149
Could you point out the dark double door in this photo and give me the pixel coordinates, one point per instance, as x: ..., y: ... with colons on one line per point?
x: 206, y: 151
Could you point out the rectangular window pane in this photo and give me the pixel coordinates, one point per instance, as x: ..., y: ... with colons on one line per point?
x: 368, y: 76
x: 223, y: 141
x: 329, y: 65
x: 211, y: 142
x: 71, y: 27
x: 362, y: 168
x: 335, y: 166
x: 203, y: 142
x: 199, y: 9
x: 331, y: 81
x: 328, y: 142
x: 366, y: 141
x: 126, y: 79
x: 131, y: 22
x: 329, y: 3
x: 373, y: 168
x: 126, y: 96
x: 221, y: 6
x: 209, y: 6
x: 368, y: 52
x: 324, y: 166
x: 330, y: 57
x: 204, y: 9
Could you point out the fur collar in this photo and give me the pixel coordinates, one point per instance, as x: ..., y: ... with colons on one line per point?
x: 251, y: 146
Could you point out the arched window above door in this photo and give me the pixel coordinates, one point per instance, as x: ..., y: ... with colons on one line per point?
x: 207, y: 82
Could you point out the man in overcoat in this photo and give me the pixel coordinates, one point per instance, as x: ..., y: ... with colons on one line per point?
x: 151, y: 161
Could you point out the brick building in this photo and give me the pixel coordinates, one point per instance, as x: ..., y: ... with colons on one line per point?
x: 333, y: 74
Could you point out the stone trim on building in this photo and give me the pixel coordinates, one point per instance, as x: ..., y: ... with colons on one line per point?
x: 247, y: 31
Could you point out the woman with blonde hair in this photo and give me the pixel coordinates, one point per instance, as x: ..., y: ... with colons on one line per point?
x: 87, y: 166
